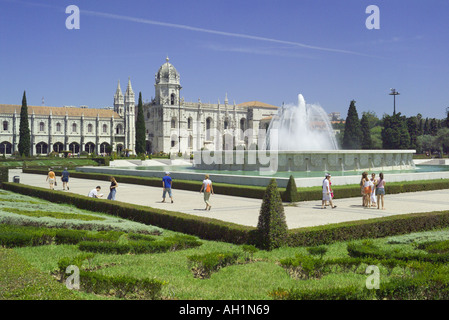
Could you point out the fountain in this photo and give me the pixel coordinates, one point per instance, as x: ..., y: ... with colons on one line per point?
x: 302, y: 127
x: 300, y: 142
x: 300, y: 137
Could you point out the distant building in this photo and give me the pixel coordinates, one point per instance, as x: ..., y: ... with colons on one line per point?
x: 172, y: 125
x: 334, y: 116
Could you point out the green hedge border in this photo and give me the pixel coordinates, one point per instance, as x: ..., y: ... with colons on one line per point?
x: 203, y: 227
x: 303, y: 194
x: 217, y: 230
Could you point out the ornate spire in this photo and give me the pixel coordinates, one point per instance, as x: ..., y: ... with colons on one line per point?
x: 129, y: 89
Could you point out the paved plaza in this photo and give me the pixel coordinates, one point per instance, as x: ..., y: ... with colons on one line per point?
x: 245, y: 211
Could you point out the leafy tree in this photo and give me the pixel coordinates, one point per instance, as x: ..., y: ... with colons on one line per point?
x: 433, y: 129
x: 442, y: 139
x: 426, y: 143
x: 395, y: 133
x: 367, y: 143
x: 24, y: 129
x: 272, y: 227
x: 140, y: 128
x: 352, y: 137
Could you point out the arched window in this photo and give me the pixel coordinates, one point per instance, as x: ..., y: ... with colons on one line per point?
x: 208, y: 128
x: 58, y: 147
x: 5, y: 125
x: 105, y: 147
x: 5, y: 147
x: 105, y: 128
x: 90, y: 128
x: 172, y: 99
x: 58, y: 127
x: 89, y: 147
x: 226, y: 124
x: 41, y: 126
x: 74, y: 127
x: 189, y: 123
x: 173, y: 123
x: 119, y: 129
x: 41, y: 148
x: 242, y: 127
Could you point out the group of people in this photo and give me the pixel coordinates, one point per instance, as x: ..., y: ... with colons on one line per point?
x: 206, y: 187
x: 51, y: 178
x: 167, y: 183
x: 372, y: 190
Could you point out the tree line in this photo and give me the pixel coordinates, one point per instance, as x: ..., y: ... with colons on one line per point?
x: 425, y: 135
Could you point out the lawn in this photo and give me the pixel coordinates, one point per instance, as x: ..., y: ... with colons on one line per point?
x: 246, y: 278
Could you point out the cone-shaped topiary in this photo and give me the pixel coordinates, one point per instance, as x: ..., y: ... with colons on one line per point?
x: 272, y: 227
x: 291, y: 192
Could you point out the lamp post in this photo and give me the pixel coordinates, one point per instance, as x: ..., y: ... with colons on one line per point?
x: 394, y: 93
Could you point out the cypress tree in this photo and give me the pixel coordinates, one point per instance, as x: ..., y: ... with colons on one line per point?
x: 24, y: 129
x: 291, y: 192
x: 352, y: 137
x: 140, y: 128
x: 272, y: 227
x: 367, y: 142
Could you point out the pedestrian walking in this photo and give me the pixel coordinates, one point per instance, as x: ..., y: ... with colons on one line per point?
x: 51, y: 178
x: 112, y: 189
x: 327, y: 192
x: 65, y: 179
x: 208, y: 190
x: 380, y: 191
x: 167, y: 184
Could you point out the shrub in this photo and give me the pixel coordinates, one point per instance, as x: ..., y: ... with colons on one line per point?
x: 291, y: 192
x: 317, y: 251
x: 202, y: 266
x: 304, y: 267
x: 123, y: 286
x: 272, y: 227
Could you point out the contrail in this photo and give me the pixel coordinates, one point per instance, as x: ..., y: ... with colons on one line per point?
x: 222, y: 33
x: 196, y: 29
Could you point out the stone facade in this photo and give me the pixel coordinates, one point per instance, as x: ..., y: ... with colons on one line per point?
x: 56, y: 129
x: 174, y: 125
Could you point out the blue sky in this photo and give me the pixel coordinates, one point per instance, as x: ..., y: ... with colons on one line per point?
x: 250, y: 49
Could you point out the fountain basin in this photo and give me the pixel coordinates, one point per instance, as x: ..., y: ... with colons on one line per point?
x: 322, y: 160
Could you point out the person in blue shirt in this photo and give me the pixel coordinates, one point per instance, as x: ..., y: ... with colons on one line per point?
x: 65, y: 179
x: 167, y: 184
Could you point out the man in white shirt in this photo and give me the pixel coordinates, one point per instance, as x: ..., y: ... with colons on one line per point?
x: 94, y: 193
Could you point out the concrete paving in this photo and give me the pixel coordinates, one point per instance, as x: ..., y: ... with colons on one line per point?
x: 245, y: 211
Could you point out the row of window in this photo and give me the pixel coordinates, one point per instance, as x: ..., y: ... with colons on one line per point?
x: 74, y: 147
x: 90, y: 127
x: 208, y: 123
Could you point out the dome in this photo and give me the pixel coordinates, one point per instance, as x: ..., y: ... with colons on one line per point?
x: 167, y: 74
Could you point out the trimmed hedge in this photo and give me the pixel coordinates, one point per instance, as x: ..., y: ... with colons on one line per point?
x: 203, y: 227
x: 287, y: 194
x: 122, y: 286
x: 213, y: 229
